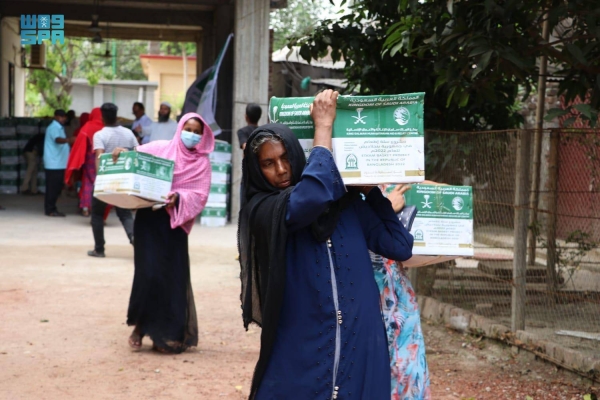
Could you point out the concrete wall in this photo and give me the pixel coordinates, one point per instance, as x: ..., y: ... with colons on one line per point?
x: 251, y: 76
x: 10, y: 52
x: 167, y: 71
x: 86, y: 97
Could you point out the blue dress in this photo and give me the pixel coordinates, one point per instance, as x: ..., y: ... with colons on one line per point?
x: 331, y: 341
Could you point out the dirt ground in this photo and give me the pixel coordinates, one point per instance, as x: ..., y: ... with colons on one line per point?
x: 63, y: 332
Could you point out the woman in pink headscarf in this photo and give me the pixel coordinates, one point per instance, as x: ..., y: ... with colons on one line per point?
x: 161, y: 305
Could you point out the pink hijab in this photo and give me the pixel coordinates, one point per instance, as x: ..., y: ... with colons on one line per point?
x: 191, y: 178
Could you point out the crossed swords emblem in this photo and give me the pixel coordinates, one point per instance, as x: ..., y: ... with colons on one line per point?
x: 359, y: 119
x: 426, y: 203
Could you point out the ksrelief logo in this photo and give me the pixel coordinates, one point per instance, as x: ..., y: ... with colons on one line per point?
x: 458, y: 203
x: 351, y: 162
x: 402, y: 115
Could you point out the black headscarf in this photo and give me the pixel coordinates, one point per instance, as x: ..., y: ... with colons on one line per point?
x: 262, y: 237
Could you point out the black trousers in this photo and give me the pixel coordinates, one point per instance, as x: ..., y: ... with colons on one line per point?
x: 98, y: 208
x: 54, y: 185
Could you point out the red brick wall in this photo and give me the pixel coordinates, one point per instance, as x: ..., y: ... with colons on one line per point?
x: 579, y: 179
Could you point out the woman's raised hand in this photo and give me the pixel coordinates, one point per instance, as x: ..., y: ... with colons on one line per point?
x: 323, y: 112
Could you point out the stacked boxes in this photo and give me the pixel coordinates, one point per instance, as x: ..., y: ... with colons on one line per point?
x: 14, y: 135
x: 26, y: 129
x: 215, y: 213
x: 9, y: 157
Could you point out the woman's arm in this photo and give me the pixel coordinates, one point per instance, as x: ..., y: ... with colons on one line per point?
x: 321, y: 183
x: 384, y: 233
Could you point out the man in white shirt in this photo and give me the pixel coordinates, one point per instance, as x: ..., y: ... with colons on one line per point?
x: 141, y: 119
x: 164, y: 129
x: 105, y: 141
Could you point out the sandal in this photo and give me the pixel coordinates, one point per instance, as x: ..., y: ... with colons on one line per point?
x: 160, y: 349
x: 135, y: 341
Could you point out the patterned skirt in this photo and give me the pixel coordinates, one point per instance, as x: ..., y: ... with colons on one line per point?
x: 410, y: 375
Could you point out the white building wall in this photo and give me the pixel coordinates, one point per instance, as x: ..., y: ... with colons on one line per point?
x: 86, y: 97
x: 10, y: 52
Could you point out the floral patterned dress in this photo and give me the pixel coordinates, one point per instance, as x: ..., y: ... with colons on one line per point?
x: 410, y: 375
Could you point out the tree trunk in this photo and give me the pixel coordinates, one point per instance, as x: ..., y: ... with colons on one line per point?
x: 552, y: 187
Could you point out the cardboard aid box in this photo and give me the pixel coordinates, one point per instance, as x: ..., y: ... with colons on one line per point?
x: 136, y: 180
x: 214, y: 216
x: 221, y: 152
x: 218, y: 194
x: 220, y: 173
x: 376, y: 139
x: 443, y: 225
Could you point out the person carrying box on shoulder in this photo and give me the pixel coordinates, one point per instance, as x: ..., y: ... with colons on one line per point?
x: 105, y: 141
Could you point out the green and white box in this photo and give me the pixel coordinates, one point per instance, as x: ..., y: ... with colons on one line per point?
x: 376, y: 139
x: 218, y: 194
x: 444, y: 222
x: 27, y: 126
x: 136, y: 180
x: 221, y: 173
x: 214, y: 216
x: 7, y: 129
x: 221, y: 153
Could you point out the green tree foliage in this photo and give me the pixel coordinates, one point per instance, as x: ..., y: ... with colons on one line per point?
x: 128, y: 64
x: 175, y: 48
x: 300, y: 17
x: 503, y: 39
x: 360, y: 37
x: 470, y: 57
x: 73, y: 59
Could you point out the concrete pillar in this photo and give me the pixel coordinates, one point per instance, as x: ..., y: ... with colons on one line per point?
x: 224, y: 25
x: 251, y: 77
x: 150, y: 92
x: 2, y: 86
